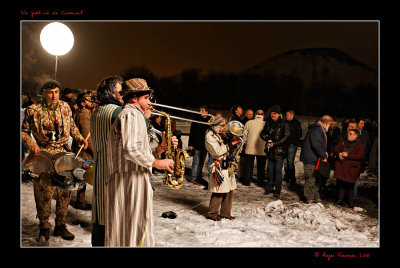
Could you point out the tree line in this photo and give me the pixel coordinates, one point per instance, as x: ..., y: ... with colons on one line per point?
x: 221, y: 90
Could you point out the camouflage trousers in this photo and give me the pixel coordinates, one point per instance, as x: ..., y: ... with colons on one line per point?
x: 43, y: 196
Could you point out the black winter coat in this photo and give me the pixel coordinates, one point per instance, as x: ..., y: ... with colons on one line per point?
x: 278, y: 131
x: 197, y: 134
x: 295, y: 132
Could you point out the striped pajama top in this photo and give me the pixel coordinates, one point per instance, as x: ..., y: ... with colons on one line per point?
x: 100, y: 124
x: 128, y: 198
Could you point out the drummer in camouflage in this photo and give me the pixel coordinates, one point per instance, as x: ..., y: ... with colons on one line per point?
x: 51, y: 123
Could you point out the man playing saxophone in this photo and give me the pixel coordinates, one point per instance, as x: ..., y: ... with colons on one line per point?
x: 128, y: 193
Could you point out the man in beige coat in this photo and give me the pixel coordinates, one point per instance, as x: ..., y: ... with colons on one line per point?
x: 254, y: 149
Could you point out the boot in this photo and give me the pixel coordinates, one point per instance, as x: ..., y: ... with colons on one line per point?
x: 45, y: 232
x: 82, y: 206
x: 228, y: 217
x: 61, y: 230
x: 81, y: 201
x: 214, y: 217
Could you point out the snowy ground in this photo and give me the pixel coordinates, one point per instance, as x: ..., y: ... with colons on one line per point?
x: 261, y: 221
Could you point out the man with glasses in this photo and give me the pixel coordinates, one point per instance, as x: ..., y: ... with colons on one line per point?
x: 82, y: 121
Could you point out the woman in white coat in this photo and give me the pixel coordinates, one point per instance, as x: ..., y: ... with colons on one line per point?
x: 222, y: 181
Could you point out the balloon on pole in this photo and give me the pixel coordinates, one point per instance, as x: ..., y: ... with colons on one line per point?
x: 57, y: 39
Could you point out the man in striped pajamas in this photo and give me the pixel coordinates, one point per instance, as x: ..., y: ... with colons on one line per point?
x: 108, y: 94
x: 128, y: 193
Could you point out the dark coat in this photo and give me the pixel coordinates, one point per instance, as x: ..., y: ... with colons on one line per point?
x: 197, y: 134
x: 295, y: 132
x: 314, y: 145
x: 278, y: 131
x: 235, y: 117
x: 334, y: 136
x: 349, y: 169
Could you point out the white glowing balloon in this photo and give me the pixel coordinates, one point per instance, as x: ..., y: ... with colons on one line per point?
x: 56, y: 38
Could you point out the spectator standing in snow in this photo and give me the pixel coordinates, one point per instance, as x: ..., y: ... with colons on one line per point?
x: 347, y: 168
x: 293, y: 144
x: 196, y: 145
x: 254, y: 148
x: 314, y: 147
x: 276, y: 133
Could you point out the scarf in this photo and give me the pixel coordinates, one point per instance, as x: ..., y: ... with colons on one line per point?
x: 110, y: 101
x: 349, y: 145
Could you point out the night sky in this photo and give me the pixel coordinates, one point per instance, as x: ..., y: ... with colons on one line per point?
x: 104, y: 48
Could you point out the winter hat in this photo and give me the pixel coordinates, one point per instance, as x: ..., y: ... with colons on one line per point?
x: 50, y: 84
x: 217, y: 123
x: 275, y: 109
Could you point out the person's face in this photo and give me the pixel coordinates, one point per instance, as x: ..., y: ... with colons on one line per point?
x: 88, y: 103
x: 239, y: 111
x: 249, y: 114
x: 361, y: 124
x: 144, y: 102
x: 70, y: 95
x: 289, y: 116
x: 24, y: 98
x: 351, y: 135
x: 117, y: 95
x: 52, y: 95
x: 274, y: 116
x: 203, y: 111
x: 222, y: 128
x: 351, y: 126
x: 333, y: 125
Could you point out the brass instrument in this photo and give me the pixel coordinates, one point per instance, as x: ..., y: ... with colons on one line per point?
x: 234, y: 131
x: 174, y: 180
x: 184, y: 110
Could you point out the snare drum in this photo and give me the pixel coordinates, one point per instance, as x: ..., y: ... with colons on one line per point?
x: 37, y: 164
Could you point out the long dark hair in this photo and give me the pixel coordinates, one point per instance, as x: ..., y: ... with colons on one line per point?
x: 108, y: 86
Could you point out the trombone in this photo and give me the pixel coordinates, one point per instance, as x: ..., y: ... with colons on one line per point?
x: 184, y: 110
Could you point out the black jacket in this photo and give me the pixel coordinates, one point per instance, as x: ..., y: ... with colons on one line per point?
x: 197, y: 136
x: 334, y: 136
x: 278, y: 131
x: 295, y: 132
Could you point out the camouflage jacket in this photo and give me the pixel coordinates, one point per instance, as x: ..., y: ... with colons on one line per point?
x: 42, y: 122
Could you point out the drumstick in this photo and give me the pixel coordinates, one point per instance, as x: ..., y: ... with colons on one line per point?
x: 82, y: 146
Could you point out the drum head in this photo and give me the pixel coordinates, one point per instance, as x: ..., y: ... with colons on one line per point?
x: 67, y: 162
x: 38, y: 163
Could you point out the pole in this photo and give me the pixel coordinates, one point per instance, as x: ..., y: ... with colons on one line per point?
x: 55, y: 72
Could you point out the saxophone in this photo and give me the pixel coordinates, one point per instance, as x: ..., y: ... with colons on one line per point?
x: 174, y: 180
